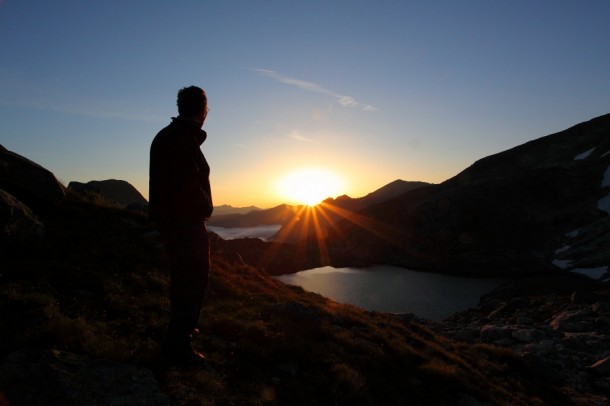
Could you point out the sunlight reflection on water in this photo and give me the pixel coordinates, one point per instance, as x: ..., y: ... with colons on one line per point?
x: 262, y: 232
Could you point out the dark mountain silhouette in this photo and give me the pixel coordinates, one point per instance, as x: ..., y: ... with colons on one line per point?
x: 513, y: 212
x: 114, y: 191
x: 228, y: 209
x: 276, y: 215
x: 382, y: 194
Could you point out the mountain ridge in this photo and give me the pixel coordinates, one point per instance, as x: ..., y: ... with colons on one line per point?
x: 510, y: 211
x: 228, y: 209
x: 386, y: 192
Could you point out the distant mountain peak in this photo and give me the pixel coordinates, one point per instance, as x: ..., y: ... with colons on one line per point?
x: 228, y: 209
x: 113, y: 190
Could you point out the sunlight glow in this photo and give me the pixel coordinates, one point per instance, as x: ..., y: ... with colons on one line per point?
x: 310, y: 227
x: 309, y: 186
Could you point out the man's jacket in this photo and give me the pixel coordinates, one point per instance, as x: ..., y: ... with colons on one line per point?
x: 179, y: 185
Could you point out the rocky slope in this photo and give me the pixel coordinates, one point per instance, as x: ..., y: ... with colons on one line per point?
x: 560, y: 325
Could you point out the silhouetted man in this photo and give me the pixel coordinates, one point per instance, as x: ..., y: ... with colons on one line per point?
x: 180, y: 202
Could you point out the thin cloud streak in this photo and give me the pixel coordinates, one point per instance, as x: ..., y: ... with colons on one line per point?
x: 296, y: 136
x: 346, y: 101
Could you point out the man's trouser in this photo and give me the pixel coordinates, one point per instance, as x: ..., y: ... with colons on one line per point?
x: 188, y: 251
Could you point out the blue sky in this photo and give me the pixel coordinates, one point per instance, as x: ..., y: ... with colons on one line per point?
x: 367, y: 91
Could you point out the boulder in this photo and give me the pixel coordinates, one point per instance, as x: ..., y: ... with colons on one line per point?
x: 51, y: 377
x: 17, y: 222
x: 27, y: 180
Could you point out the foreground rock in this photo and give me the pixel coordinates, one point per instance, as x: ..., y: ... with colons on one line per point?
x: 18, y: 224
x: 28, y: 181
x: 24, y: 185
x: 44, y: 377
x: 560, y: 326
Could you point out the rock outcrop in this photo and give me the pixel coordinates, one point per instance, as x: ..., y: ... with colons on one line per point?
x: 18, y: 222
x: 28, y: 181
x: 24, y: 185
x: 113, y: 191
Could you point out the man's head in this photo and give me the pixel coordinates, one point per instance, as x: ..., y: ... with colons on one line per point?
x: 192, y: 103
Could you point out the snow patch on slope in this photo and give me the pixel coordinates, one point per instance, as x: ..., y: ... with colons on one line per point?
x: 604, y: 204
x: 584, y: 155
x: 593, y: 273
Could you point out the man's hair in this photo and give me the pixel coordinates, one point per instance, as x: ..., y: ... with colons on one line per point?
x: 191, y: 101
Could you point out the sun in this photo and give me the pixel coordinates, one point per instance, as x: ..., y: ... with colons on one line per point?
x: 308, y: 186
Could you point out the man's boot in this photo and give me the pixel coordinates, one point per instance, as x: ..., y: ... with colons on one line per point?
x: 180, y: 351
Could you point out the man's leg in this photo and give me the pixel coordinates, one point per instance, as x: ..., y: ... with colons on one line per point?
x: 188, y: 249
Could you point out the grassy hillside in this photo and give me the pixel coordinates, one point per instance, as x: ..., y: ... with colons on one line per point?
x: 97, y: 285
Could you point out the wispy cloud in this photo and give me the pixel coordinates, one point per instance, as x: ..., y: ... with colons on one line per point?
x: 346, y: 101
x: 297, y: 136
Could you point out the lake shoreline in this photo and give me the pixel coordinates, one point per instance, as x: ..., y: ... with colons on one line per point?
x: 396, y: 290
